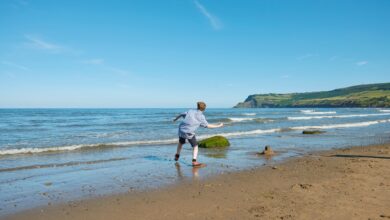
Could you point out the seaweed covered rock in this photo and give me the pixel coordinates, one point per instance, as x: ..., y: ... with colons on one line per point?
x: 312, y: 132
x: 213, y: 142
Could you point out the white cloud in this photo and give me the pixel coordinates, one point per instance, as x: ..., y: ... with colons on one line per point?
x: 307, y: 56
x: 38, y: 43
x: 214, y: 21
x: 285, y: 76
x: 361, y: 63
x: 118, y: 71
x: 101, y: 62
x: 95, y: 61
x: 18, y: 66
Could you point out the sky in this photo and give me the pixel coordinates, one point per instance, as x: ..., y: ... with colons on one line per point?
x: 173, y: 53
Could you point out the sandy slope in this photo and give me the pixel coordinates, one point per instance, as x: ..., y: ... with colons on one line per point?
x: 341, y: 184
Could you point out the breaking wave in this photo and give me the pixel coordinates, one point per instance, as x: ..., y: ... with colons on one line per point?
x: 174, y: 140
x: 346, y: 125
x: 249, y: 114
x: 313, y: 112
x: 260, y: 120
x: 240, y: 119
x: 335, y: 116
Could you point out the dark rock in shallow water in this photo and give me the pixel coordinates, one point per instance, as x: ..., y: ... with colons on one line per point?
x: 267, y: 151
x: 216, y: 141
x: 312, y: 132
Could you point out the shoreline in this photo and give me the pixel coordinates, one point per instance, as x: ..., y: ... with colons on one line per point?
x: 350, y: 183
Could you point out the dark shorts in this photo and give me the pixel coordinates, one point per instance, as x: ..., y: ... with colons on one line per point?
x: 192, y: 141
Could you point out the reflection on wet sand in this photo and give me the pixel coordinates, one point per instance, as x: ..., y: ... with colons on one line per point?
x: 194, y: 171
x: 217, y: 153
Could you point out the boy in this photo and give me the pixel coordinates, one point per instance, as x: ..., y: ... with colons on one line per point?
x: 192, y: 120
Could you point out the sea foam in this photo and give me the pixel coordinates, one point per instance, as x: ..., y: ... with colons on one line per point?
x: 346, y: 125
x: 240, y: 119
x: 335, y: 116
x: 174, y: 140
x: 249, y: 114
x: 312, y: 112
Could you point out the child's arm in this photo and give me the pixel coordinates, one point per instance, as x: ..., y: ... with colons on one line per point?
x: 215, y: 125
x: 179, y: 116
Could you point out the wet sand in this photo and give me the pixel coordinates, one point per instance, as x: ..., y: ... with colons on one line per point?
x: 351, y: 183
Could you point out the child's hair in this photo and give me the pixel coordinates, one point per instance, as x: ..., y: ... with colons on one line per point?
x: 201, y: 106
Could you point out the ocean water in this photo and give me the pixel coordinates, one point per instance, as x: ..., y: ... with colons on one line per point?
x: 49, y: 156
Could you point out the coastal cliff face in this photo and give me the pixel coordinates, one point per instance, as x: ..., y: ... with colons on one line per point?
x: 370, y: 95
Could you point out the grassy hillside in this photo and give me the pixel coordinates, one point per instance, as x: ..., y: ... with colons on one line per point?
x: 371, y: 95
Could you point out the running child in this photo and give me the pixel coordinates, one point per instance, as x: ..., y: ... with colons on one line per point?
x: 192, y: 120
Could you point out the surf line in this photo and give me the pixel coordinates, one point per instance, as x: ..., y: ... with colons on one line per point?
x: 172, y: 141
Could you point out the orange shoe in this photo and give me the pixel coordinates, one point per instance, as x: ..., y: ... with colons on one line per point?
x: 196, y: 164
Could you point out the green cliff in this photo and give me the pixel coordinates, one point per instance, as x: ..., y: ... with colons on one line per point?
x: 370, y: 95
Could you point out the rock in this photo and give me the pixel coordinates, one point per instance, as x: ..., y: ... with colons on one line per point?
x: 267, y: 151
x: 312, y: 132
x: 216, y: 141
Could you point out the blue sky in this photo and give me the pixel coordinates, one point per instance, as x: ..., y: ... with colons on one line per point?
x: 172, y: 53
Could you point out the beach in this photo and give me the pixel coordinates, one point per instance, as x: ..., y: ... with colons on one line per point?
x: 349, y: 183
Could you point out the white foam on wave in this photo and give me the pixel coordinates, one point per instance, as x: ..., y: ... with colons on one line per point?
x: 384, y: 110
x: 307, y: 111
x: 241, y: 119
x: 314, y: 112
x: 126, y: 143
x: 320, y: 113
x: 335, y: 116
x: 346, y: 125
x: 174, y: 140
x: 244, y: 133
x: 249, y: 114
x: 32, y: 150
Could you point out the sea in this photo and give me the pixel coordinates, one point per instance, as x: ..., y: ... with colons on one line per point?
x: 51, y: 156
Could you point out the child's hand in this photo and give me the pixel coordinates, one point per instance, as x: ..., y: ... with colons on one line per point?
x: 221, y: 124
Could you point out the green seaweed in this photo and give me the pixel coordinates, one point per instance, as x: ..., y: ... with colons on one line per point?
x: 215, y: 141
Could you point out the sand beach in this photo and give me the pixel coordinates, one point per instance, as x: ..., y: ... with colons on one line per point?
x: 350, y: 183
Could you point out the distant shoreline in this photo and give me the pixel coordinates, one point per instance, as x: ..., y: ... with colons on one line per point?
x: 360, y: 96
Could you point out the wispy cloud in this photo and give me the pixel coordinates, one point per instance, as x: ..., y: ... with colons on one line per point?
x: 285, y: 76
x: 361, y: 63
x: 118, y: 71
x: 38, y: 43
x: 307, y: 56
x: 96, y: 61
x: 214, y: 21
x: 18, y: 66
x: 100, y: 62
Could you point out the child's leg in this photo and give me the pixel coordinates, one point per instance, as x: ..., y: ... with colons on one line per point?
x: 195, y: 152
x: 179, y: 146
x: 194, y: 144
